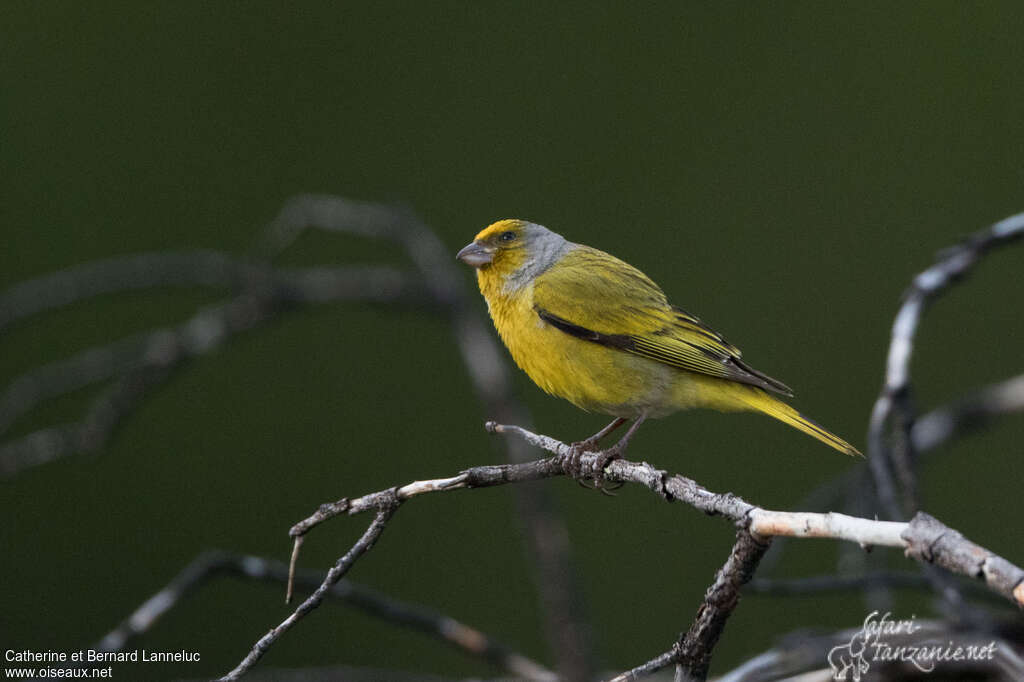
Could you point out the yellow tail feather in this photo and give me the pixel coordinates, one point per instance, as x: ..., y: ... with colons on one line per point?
x: 759, y: 401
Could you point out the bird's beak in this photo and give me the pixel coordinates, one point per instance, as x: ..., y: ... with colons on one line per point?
x: 476, y: 255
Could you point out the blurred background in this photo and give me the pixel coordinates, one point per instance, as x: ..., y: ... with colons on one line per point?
x: 782, y: 170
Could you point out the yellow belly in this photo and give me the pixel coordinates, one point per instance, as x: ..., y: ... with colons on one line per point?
x: 591, y: 376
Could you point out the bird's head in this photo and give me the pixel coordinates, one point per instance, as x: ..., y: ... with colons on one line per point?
x: 514, y: 250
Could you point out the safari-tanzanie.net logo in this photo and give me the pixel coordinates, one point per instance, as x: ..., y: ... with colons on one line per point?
x: 884, y: 640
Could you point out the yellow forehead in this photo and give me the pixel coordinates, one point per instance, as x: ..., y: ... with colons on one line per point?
x: 499, y: 227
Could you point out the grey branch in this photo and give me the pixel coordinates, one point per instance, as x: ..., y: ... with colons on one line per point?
x: 203, y: 268
x: 140, y: 362
x: 829, y: 583
x: 968, y: 414
x: 692, y: 653
x: 894, y: 400
x: 930, y: 431
x: 931, y: 541
x: 210, y: 565
x: 127, y: 273
x: 923, y: 538
x: 337, y: 572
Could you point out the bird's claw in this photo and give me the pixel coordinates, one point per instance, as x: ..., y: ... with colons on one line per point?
x: 604, y: 458
x: 573, y: 465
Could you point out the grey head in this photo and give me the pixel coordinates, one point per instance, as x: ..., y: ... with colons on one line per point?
x: 521, y: 250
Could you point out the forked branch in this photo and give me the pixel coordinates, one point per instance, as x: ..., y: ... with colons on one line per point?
x: 923, y: 538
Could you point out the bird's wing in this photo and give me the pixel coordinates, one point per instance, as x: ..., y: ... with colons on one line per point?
x: 599, y: 298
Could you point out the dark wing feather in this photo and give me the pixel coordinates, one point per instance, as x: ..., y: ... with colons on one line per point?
x: 599, y: 298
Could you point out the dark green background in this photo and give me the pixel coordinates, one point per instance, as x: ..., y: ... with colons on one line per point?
x: 781, y: 169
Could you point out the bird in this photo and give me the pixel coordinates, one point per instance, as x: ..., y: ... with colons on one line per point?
x: 596, y: 331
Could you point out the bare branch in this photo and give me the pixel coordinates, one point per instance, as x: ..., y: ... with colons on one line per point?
x: 968, y: 414
x: 867, y: 532
x: 828, y: 583
x: 893, y: 463
x: 86, y: 435
x: 692, y: 653
x: 338, y: 571
x: 144, y: 361
x: 941, y: 425
x: 659, y: 662
x: 920, y: 537
x: 895, y: 398
x: 923, y: 538
x: 202, y: 268
x: 209, y: 565
x: 931, y: 541
x: 83, y: 369
x: 930, y: 431
x: 210, y: 269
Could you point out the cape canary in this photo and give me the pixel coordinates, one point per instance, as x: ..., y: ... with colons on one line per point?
x: 592, y: 329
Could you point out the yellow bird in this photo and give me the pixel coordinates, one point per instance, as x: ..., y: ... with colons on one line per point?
x: 592, y: 329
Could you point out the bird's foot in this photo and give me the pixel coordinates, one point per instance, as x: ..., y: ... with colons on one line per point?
x: 573, y: 465
x: 604, y: 458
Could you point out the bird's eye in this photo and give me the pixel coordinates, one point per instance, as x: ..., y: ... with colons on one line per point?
x: 507, y: 236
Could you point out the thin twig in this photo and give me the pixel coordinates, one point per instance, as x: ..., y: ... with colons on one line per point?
x: 693, y: 651
x: 814, y: 585
x: 659, y: 662
x: 88, y: 367
x: 207, y: 269
x: 209, y: 565
x: 339, y: 569
x: 968, y: 414
x: 141, y: 362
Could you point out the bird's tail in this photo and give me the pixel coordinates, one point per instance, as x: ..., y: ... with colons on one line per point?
x: 759, y: 401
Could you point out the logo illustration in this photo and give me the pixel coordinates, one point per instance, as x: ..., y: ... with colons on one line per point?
x: 848, y: 661
x: 886, y: 640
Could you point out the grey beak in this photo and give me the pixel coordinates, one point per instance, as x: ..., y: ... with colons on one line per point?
x: 475, y: 254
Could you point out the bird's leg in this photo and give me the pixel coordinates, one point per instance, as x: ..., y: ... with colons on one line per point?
x: 577, y: 449
x: 589, y: 443
x: 605, y: 457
